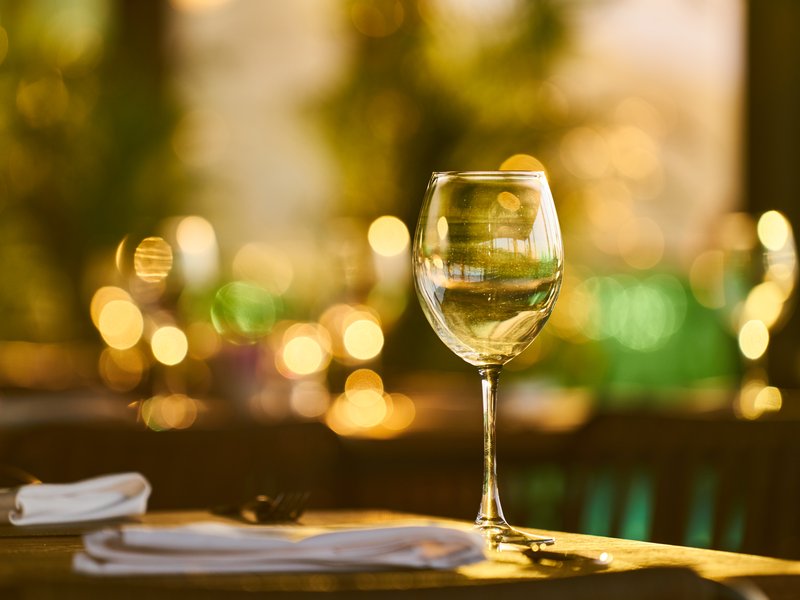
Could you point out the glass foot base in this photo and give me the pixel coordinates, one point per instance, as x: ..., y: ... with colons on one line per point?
x: 501, y: 536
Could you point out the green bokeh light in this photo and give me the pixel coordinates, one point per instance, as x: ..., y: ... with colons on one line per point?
x: 243, y: 312
x: 640, y: 314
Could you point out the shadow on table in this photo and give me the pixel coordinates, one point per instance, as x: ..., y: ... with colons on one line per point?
x: 645, y: 584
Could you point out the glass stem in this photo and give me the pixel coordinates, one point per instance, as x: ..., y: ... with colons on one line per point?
x: 491, y: 514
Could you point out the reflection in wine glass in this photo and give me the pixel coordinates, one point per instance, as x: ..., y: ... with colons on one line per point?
x: 488, y: 262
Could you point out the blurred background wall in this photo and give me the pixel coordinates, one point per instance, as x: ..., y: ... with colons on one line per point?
x: 206, y: 204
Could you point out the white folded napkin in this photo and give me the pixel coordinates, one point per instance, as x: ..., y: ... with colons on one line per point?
x: 212, y: 547
x: 105, y: 497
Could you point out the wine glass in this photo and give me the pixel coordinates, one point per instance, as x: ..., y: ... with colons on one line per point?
x: 488, y: 262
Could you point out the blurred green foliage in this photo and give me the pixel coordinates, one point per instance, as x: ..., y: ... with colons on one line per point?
x: 443, y: 91
x: 84, y: 158
x: 438, y: 86
x: 449, y: 87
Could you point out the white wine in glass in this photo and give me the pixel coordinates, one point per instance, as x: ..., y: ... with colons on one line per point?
x: 488, y: 261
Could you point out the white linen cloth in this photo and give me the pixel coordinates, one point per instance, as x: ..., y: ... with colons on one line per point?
x: 104, y: 497
x: 213, y: 547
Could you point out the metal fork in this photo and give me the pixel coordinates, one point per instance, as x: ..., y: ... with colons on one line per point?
x: 286, y: 507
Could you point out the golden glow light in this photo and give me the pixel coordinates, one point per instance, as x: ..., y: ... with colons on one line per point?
x: 334, y: 320
x: 773, y: 230
x: 103, y: 296
x: 745, y: 405
x: 363, y: 379
x: 522, y: 162
x: 169, y: 345
x: 152, y: 259
x: 753, y: 339
x: 442, y: 228
x: 119, y: 254
x: 198, y: 254
x: 388, y: 236
x: 366, y: 408
x: 368, y: 411
x: 756, y: 398
x: 306, y: 350
x: 120, y: 324
x: 508, y: 201
x: 121, y: 370
x: 783, y: 274
x: 765, y: 303
x: 303, y: 355
x: 355, y: 332
x: 769, y: 399
x: 176, y: 411
x: 195, y: 235
x: 402, y: 413
x: 363, y: 338
x: 338, y: 418
x: 198, y: 5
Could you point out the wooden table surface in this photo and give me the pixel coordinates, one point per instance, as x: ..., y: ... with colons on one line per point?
x: 36, y: 563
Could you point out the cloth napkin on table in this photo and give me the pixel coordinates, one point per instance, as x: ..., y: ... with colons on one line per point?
x: 99, y: 498
x: 213, y: 547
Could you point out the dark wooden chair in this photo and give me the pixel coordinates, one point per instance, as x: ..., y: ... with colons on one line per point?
x: 440, y: 473
x: 194, y: 468
x: 708, y: 482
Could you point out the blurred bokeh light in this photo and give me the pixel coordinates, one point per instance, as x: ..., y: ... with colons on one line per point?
x: 228, y: 216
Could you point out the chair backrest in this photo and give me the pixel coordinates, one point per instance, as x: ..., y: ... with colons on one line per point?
x: 706, y: 482
x: 193, y: 468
